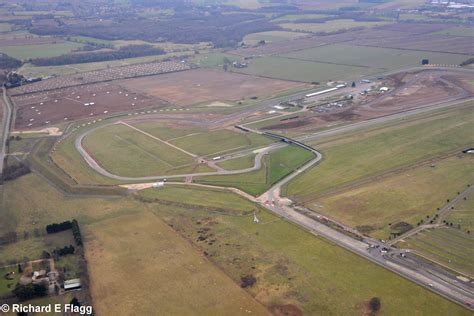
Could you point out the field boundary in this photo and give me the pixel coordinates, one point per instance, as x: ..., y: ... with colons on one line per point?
x: 383, y: 175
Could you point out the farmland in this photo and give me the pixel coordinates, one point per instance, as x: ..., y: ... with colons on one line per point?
x: 417, y: 141
x: 32, y: 246
x: 415, y: 37
x: 206, y: 85
x: 39, y: 51
x: 43, y: 71
x: 220, y: 199
x: 270, y: 37
x: 380, y: 58
x: 88, y: 101
x: 407, y: 197
x: 5, y: 27
x: 153, y: 248
x: 293, y: 17
x: 329, y: 26
x: 305, y: 272
x: 457, y: 31
x: 128, y: 71
x: 213, y: 60
x: 31, y: 199
x: 331, y: 62
x: 180, y: 201
x: 276, y: 165
x: 300, y: 70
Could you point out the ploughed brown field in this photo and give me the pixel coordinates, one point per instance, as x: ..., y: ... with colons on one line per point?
x: 68, y: 104
x: 197, y: 86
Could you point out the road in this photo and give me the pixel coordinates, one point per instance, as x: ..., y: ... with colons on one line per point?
x: 6, y: 122
x: 409, y: 266
x: 257, y: 163
x: 413, y: 268
x: 98, y: 168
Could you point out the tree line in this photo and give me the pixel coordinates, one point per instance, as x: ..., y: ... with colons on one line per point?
x: 15, y: 171
x: 59, y: 227
x: 7, y: 62
x: 129, y: 51
x: 223, y: 30
x: 30, y: 291
x: 467, y: 62
x: 66, y: 250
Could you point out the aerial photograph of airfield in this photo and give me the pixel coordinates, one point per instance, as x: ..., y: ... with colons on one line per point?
x: 237, y: 157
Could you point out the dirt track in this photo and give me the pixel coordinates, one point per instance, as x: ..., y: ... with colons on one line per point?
x: 414, y: 89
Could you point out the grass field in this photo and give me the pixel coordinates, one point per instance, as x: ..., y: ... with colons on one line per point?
x: 303, y: 273
x: 330, y: 26
x: 70, y: 265
x: 382, y: 59
x: 364, y: 154
x: 217, y: 142
x: 30, y: 248
x: 205, y: 142
x: 407, y: 196
x: 308, y: 272
x: 145, y: 155
x: 294, y: 17
x: 447, y: 246
x: 426, y: 18
x: 68, y: 159
x: 165, y: 132
x: 275, y: 166
x: 39, y: 51
x: 230, y: 204
x: 40, y: 12
x: 32, y: 202
x: 262, y: 124
x: 463, y: 215
x: 87, y: 39
x: 212, y: 60
x: 238, y: 163
x: 301, y: 70
x: 395, y: 4
x: 271, y: 36
x: 127, y: 152
x: 7, y: 285
x: 457, y: 31
x: 5, y: 27
x: 184, y: 282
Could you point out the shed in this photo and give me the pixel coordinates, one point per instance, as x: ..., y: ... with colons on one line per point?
x: 72, y: 284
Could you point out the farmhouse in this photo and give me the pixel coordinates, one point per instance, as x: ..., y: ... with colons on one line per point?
x: 38, y: 276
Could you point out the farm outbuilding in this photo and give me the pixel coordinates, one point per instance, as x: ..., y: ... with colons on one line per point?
x: 72, y: 284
